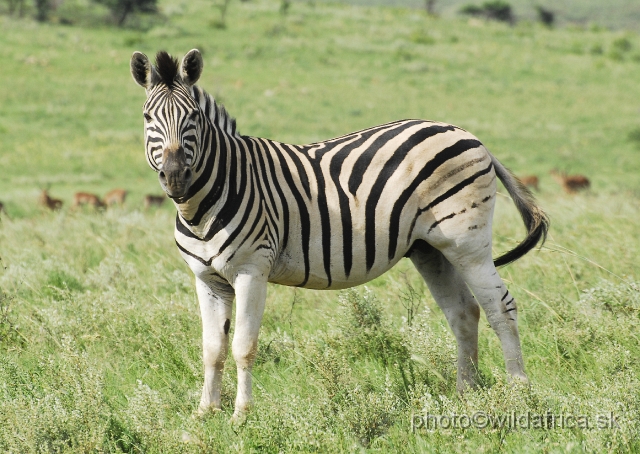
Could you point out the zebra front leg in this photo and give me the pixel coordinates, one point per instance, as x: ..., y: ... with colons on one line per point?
x: 459, y: 307
x: 216, y: 303
x: 251, y: 293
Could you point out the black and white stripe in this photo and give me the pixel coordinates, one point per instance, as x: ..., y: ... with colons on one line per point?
x: 337, y: 213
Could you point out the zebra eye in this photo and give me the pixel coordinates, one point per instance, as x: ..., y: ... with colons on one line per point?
x: 193, y: 116
x: 147, y: 117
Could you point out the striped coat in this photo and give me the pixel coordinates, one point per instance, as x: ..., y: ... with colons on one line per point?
x: 328, y: 215
x: 349, y: 208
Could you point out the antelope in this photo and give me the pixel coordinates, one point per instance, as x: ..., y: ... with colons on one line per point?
x: 571, y: 183
x: 530, y: 181
x: 115, y: 196
x: 153, y: 200
x: 84, y: 198
x: 49, y: 202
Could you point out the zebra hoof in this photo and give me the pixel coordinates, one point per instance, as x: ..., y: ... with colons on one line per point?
x: 238, y: 419
x: 520, y: 381
x: 202, y: 413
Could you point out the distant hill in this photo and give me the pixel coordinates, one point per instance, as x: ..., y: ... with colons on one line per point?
x: 613, y: 14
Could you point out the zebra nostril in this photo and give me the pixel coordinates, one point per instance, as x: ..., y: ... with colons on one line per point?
x: 187, y: 174
x: 163, y: 177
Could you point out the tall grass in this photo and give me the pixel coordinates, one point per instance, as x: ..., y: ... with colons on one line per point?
x: 100, y: 335
x: 99, y: 324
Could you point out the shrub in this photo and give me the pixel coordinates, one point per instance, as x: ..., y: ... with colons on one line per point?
x: 9, y: 334
x: 545, y: 16
x: 472, y: 10
x: 57, y: 406
x: 364, y: 332
x: 496, y: 10
x: 622, y: 44
x: 43, y: 7
x: 634, y: 136
x: 359, y: 405
x: 121, y: 9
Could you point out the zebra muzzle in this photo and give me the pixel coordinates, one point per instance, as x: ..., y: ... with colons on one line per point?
x: 175, y: 176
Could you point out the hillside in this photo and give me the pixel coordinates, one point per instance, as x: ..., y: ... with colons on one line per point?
x: 614, y: 14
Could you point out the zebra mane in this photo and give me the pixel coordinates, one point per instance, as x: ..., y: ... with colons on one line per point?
x: 167, y: 68
x: 215, y: 111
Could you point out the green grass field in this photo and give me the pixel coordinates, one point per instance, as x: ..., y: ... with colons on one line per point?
x: 100, y: 346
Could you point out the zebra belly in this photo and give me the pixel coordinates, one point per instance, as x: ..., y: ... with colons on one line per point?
x: 294, y: 276
x: 352, y: 243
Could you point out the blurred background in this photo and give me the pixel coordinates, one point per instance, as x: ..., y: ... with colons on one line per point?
x: 545, y: 85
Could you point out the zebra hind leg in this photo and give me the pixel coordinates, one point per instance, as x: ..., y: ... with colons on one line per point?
x: 458, y: 305
x: 474, y: 263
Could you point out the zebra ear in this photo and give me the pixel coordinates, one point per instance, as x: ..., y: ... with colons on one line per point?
x: 141, y: 69
x: 191, y: 67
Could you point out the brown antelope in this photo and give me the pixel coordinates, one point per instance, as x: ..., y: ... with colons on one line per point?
x: 49, y: 202
x: 115, y: 197
x: 153, y: 200
x: 530, y: 181
x: 84, y: 198
x: 571, y: 183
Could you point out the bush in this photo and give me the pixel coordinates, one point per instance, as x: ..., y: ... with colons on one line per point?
x: 622, y: 44
x: 9, y: 334
x: 634, y: 135
x: 472, y: 10
x: 365, y: 334
x: 496, y: 10
x: 43, y: 7
x: 545, y: 16
x: 120, y: 9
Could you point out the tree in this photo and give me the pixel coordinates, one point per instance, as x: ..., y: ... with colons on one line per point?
x: 16, y: 6
x: 122, y: 8
x: 42, y: 10
x: 431, y: 7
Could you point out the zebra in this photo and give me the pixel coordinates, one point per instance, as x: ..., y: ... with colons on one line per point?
x: 328, y: 215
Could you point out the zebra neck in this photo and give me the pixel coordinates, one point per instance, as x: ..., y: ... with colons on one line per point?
x: 215, y: 112
x: 219, y: 182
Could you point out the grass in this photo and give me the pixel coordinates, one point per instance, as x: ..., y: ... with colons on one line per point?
x: 99, y: 325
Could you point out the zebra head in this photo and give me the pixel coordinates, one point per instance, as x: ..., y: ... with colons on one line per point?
x: 173, y: 118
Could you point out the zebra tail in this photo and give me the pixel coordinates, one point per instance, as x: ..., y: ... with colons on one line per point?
x: 535, y: 220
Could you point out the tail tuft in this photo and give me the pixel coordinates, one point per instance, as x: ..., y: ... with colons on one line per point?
x: 535, y: 220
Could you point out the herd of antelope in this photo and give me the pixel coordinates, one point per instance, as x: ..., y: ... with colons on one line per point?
x: 111, y: 198
x: 570, y: 183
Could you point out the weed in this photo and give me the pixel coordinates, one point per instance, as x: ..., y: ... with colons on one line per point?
x: 421, y: 37
x: 9, y: 330
x: 365, y: 333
